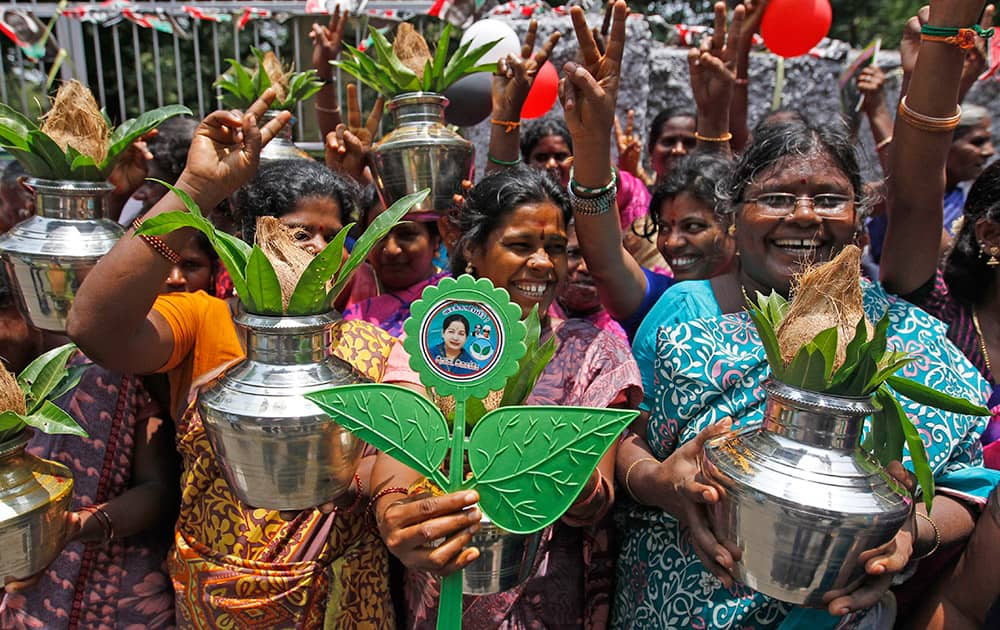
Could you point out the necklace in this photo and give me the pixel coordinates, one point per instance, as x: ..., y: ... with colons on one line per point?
x: 982, y: 342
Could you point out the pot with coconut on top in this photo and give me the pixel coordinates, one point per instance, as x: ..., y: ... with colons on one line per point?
x: 68, y: 160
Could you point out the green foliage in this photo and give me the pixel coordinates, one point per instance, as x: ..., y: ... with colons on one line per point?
x: 254, y: 277
x: 387, y: 75
x: 41, y: 157
x: 45, y: 379
x: 530, y: 366
x: 242, y: 86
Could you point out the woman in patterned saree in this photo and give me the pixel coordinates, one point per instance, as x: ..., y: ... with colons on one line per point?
x: 232, y: 566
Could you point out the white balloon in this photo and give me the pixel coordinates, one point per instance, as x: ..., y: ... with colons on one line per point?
x: 486, y: 31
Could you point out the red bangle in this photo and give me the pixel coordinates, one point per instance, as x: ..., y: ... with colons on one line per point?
x: 386, y: 492
x: 158, y: 244
x: 593, y: 493
x: 357, y: 497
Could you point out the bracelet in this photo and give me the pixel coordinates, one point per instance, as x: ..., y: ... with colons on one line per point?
x: 586, y: 191
x: 104, y: 519
x: 508, y: 125
x: 883, y: 143
x: 384, y: 492
x: 593, y: 493
x: 496, y: 160
x: 928, y: 123
x: 593, y: 206
x: 158, y: 244
x: 357, y: 498
x: 726, y: 137
x: 741, y: 82
x: 628, y: 473
x: 964, y: 38
x: 937, y: 537
x: 327, y: 110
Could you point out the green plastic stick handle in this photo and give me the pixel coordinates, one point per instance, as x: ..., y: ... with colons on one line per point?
x: 450, y: 602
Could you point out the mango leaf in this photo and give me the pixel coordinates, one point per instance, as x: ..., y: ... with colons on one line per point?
x: 15, y: 120
x: 857, y: 379
x: 260, y: 79
x: 10, y: 421
x: 130, y: 130
x: 474, y: 411
x: 309, y: 295
x: 920, y: 393
x: 531, y: 463
x: 393, y: 419
x: 52, y: 420
x: 891, y: 363
x: 263, y: 285
x: 769, y: 340
x: 45, y: 147
x: 378, y: 230
x: 530, y: 366
x: 463, y: 62
x: 440, y: 53
x: 82, y: 167
x: 402, y: 76
x: 826, y: 343
x: 71, y: 380
x: 808, y: 369
x: 892, y: 449
x: 852, y: 352
x: 918, y: 454
x: 33, y: 165
x: 44, y: 375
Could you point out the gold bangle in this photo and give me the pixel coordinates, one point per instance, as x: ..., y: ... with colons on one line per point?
x: 508, y: 125
x: 928, y: 123
x: 628, y: 472
x: 726, y: 137
x: 937, y: 537
x: 883, y: 143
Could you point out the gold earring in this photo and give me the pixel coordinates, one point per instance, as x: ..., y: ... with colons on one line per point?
x: 993, y: 262
x: 469, y: 269
x: 731, y: 229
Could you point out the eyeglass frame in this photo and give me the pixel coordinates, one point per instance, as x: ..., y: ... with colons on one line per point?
x: 848, y: 201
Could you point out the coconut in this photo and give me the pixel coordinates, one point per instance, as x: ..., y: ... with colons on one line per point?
x: 75, y: 120
x: 280, y: 245
x: 276, y: 73
x: 411, y: 48
x: 825, y: 296
x: 11, y: 396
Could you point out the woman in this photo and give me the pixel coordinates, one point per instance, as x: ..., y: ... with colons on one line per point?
x: 298, y: 570
x: 667, y: 578
x: 451, y: 354
x: 964, y: 292
x: 671, y: 139
x: 578, y: 297
x: 514, y: 233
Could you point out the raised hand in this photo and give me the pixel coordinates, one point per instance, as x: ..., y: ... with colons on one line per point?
x: 327, y: 42
x: 348, y: 145
x: 225, y: 151
x: 629, y: 146
x: 870, y: 84
x: 713, y: 67
x: 515, y: 75
x: 132, y: 167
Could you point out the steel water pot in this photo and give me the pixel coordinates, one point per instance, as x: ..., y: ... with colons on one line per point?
x: 281, y: 146
x: 422, y: 152
x: 505, y: 559
x: 277, y: 449
x: 47, y: 256
x: 800, y: 499
x: 35, y: 495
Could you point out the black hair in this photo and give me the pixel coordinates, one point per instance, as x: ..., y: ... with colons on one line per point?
x: 773, y: 141
x: 493, y: 198
x: 698, y: 175
x: 785, y: 113
x: 965, y: 271
x: 11, y: 173
x: 170, y: 146
x: 455, y: 317
x: 656, y: 127
x: 532, y: 133
x: 279, y: 185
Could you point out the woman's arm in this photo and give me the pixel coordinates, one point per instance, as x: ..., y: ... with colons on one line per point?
x: 917, y: 157
x: 589, y: 93
x: 326, y: 48
x: 111, y: 319
x: 870, y: 84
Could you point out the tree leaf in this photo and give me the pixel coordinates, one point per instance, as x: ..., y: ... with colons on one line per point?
x: 920, y: 393
x: 263, y: 285
x: 14, y: 120
x: 71, y: 380
x: 402, y: 76
x: 826, y: 343
x: 309, y: 295
x: 33, y: 164
x: 393, y: 419
x: 375, y: 232
x: 44, y: 375
x: 769, y: 340
x: 852, y: 352
x: 891, y: 410
x: 918, y: 454
x: 52, y: 420
x: 130, y: 130
x: 9, y: 421
x: 531, y: 463
x: 46, y: 148
x: 440, y: 57
x: 807, y: 369
x: 530, y: 366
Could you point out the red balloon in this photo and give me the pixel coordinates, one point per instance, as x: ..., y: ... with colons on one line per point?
x: 792, y: 27
x: 542, y: 95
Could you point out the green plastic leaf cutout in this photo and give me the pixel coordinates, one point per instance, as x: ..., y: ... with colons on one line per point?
x: 395, y: 420
x: 531, y: 463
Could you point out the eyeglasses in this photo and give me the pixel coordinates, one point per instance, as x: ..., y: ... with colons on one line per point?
x: 784, y: 204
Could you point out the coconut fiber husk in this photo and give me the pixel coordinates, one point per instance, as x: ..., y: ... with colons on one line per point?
x: 411, y: 48
x: 75, y: 120
x: 11, y: 396
x: 282, y: 250
x: 825, y: 296
x: 276, y: 73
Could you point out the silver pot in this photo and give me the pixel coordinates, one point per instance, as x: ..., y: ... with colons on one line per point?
x: 505, y: 559
x: 281, y: 146
x: 277, y: 449
x: 34, y: 498
x: 801, y: 500
x: 47, y: 256
x: 422, y: 152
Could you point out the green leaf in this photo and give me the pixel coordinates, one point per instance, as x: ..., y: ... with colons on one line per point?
x: 11, y: 421
x: 918, y: 454
x: 769, y: 340
x: 52, y: 420
x: 399, y: 422
x: 46, y: 148
x: 309, y: 296
x: 130, y: 130
x: 464, y: 61
x: 405, y: 78
x: 70, y: 381
x: 440, y: 56
x: 531, y: 463
x: 826, y: 343
x: 378, y: 230
x: 262, y: 281
x: 474, y: 411
x: 16, y: 121
x: 260, y: 79
x: 82, y: 167
x: 530, y: 367
x: 359, y: 66
x: 33, y: 164
x: 920, y: 393
x: 808, y: 369
x: 892, y: 363
x: 238, y: 250
x: 44, y: 375
x: 893, y: 416
x: 852, y: 352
